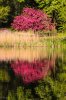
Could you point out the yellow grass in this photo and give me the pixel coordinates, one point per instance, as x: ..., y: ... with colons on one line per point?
x: 17, y: 37
x: 14, y: 37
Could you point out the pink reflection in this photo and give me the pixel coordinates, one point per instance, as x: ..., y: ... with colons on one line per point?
x: 31, y: 71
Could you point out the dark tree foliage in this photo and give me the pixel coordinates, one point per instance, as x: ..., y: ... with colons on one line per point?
x: 4, y: 12
x: 56, y: 9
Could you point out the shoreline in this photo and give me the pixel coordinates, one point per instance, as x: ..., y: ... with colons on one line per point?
x: 26, y: 39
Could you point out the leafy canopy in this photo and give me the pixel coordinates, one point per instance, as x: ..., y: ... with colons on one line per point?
x: 56, y: 9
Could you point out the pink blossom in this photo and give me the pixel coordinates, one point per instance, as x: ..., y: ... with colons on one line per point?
x: 31, y: 18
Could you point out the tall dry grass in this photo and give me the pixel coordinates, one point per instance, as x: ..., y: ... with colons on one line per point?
x: 13, y: 37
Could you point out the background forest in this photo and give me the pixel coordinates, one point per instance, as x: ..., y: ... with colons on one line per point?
x: 56, y: 9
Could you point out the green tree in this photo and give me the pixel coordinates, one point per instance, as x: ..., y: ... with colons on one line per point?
x: 11, y: 8
x: 4, y: 12
x: 56, y: 9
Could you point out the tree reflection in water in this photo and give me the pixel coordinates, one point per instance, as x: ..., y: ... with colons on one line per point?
x: 32, y: 71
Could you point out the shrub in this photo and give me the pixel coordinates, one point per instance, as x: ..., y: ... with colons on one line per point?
x: 32, y: 19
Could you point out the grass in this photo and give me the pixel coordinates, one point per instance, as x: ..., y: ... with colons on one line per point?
x: 23, y: 39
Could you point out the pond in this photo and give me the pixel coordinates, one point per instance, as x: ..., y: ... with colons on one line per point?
x: 25, y: 71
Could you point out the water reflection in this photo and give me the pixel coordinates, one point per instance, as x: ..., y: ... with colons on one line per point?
x: 28, y: 53
x: 32, y: 71
x: 28, y: 65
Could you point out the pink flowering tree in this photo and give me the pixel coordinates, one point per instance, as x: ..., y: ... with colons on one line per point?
x: 31, y: 18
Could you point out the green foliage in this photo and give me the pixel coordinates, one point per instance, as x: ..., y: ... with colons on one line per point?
x: 21, y: 1
x: 4, y: 12
x: 43, y: 90
x: 62, y: 77
x: 28, y: 94
x: 20, y: 93
x: 4, y: 76
x: 56, y: 9
x: 11, y: 95
x: 9, y: 9
x: 51, y: 90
